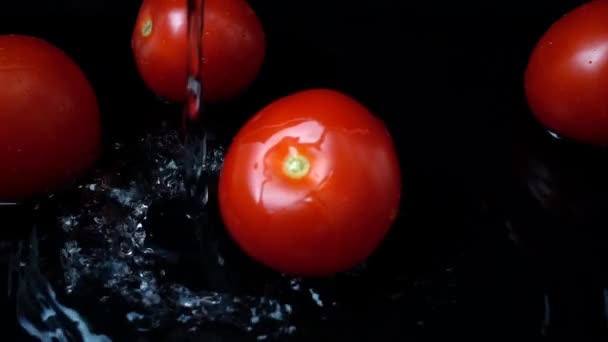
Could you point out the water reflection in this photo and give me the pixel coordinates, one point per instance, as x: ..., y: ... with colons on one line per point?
x: 38, y: 310
x: 559, y: 215
x: 566, y: 180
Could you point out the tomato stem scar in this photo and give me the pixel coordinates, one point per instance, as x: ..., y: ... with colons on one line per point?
x: 296, y: 165
x: 146, y: 30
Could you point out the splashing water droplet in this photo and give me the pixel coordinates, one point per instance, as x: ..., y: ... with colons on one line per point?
x: 554, y: 135
x: 111, y: 246
x: 40, y: 313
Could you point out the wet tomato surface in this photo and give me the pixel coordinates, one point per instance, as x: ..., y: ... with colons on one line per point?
x: 311, y: 184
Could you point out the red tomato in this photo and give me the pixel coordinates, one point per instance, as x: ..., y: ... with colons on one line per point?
x: 49, y: 118
x: 311, y: 184
x: 566, y: 81
x: 233, y: 41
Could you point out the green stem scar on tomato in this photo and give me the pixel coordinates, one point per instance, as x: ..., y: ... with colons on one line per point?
x: 146, y: 29
x: 296, y: 165
x: 311, y: 184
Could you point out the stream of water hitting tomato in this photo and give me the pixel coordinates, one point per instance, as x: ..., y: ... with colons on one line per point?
x: 194, y: 133
x: 192, y: 115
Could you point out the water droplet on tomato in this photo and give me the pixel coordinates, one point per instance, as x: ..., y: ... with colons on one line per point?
x: 554, y: 135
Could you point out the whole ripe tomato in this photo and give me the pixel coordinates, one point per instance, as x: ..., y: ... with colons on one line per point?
x: 566, y: 81
x: 233, y: 45
x: 49, y: 118
x: 311, y: 184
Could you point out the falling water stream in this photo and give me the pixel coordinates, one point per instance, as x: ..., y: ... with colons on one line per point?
x: 194, y: 134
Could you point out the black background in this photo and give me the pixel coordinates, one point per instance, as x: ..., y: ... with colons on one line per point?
x: 447, y: 79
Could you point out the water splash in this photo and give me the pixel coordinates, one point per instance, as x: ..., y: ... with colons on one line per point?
x: 112, y: 258
x: 107, y: 243
x: 38, y: 310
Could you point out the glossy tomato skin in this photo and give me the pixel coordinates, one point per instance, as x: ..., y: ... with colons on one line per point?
x: 566, y: 80
x: 233, y: 44
x: 49, y: 118
x: 319, y: 219
x: 159, y: 44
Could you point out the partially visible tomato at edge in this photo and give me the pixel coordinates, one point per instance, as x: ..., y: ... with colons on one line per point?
x: 49, y: 119
x: 566, y: 80
x: 311, y: 184
x: 233, y: 44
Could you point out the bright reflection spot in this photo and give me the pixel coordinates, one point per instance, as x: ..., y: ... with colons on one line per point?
x: 177, y: 20
x: 554, y: 135
x: 588, y: 58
